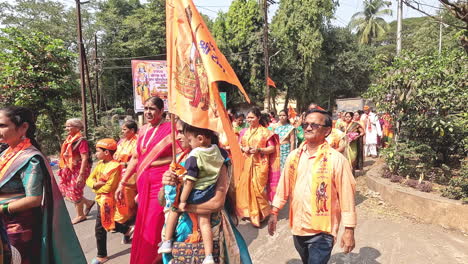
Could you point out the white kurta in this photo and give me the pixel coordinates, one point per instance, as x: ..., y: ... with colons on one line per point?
x: 372, y: 126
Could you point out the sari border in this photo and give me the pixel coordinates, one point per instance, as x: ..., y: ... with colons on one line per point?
x: 153, y: 154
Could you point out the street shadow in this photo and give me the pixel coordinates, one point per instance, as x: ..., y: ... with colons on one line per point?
x: 248, y: 231
x: 284, y: 213
x: 360, y: 198
x: 368, y: 162
x: 121, y: 253
x: 294, y: 261
x: 92, y: 215
x: 366, y: 255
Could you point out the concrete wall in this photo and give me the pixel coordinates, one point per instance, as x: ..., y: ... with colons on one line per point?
x: 430, y: 208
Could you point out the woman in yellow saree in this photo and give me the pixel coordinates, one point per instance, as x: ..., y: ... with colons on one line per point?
x: 354, y: 148
x: 261, y: 171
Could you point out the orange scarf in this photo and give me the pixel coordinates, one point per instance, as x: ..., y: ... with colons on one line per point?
x: 66, y: 152
x: 10, y: 154
x: 125, y: 149
x: 321, y: 190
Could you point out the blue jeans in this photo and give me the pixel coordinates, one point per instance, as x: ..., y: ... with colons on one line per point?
x: 314, y: 249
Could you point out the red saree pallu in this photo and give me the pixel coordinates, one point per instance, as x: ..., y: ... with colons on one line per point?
x: 150, y: 215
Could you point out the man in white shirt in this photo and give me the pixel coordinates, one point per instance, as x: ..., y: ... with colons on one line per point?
x: 373, y: 130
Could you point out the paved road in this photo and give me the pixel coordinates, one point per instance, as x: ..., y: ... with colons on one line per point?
x: 383, y: 235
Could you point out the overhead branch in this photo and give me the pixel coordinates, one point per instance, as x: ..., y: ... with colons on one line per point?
x: 460, y: 9
x: 416, y: 6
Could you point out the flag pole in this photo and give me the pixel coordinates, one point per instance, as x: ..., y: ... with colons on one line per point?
x: 173, y: 136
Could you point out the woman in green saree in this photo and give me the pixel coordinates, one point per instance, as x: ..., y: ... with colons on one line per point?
x: 287, y: 136
x: 32, y: 208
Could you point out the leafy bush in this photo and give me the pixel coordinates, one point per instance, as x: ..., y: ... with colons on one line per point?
x: 396, y: 178
x: 425, y: 187
x: 458, y: 186
x: 426, y: 98
x: 409, y: 159
x: 411, y: 183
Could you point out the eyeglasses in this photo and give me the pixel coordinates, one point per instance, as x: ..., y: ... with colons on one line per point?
x: 312, y: 125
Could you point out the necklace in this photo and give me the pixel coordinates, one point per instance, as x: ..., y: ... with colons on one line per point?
x: 145, y: 145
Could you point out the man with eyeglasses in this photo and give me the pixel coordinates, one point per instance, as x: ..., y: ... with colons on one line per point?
x: 319, y: 184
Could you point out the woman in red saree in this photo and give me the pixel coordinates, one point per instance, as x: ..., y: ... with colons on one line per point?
x: 150, y: 160
x: 75, y: 168
x: 261, y: 171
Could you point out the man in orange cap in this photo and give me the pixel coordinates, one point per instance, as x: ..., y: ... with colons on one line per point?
x: 104, y: 180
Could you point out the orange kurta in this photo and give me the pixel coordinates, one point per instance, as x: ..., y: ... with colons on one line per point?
x: 342, y: 194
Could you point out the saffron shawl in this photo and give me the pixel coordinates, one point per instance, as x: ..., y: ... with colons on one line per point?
x: 321, y: 190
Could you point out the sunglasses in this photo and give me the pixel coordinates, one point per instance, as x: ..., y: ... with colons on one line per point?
x: 312, y: 125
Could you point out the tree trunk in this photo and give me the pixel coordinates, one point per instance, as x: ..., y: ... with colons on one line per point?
x: 286, y: 99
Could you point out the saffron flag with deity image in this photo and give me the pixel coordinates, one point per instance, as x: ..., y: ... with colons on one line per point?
x: 195, y: 65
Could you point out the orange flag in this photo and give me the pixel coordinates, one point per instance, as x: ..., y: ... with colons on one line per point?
x: 194, y: 66
x: 291, y: 112
x: 270, y: 82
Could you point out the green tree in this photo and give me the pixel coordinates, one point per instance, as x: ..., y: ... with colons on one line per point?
x: 297, y: 31
x: 369, y: 23
x: 129, y: 30
x: 420, y: 35
x: 426, y: 96
x: 36, y: 71
x: 238, y: 34
x: 52, y: 18
x: 344, y: 68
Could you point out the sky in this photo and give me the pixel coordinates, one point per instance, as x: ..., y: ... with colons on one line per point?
x: 342, y: 16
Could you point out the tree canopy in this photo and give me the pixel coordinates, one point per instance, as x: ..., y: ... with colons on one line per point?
x: 369, y: 23
x: 36, y: 71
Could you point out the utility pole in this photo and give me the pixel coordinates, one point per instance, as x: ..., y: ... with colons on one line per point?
x: 399, y: 25
x: 440, y: 33
x: 265, y: 50
x: 88, y: 81
x: 96, y: 72
x: 82, y: 74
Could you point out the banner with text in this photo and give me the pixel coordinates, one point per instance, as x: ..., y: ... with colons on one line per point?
x: 149, y: 79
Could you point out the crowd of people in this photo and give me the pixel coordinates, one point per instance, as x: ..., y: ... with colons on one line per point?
x: 186, y: 210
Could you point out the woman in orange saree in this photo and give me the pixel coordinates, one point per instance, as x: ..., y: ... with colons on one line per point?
x: 150, y: 160
x: 126, y: 208
x: 261, y: 171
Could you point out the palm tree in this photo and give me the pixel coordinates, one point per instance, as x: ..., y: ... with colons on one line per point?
x: 369, y: 23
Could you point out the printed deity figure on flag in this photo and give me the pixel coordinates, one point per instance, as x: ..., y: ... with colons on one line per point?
x: 195, y: 65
